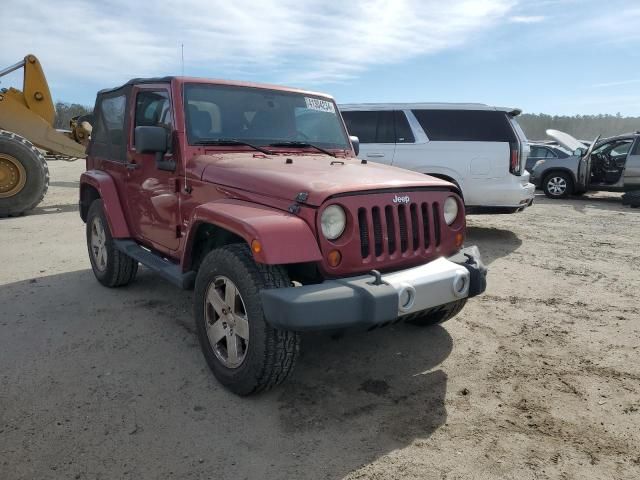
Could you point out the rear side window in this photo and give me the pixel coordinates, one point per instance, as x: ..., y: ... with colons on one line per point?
x: 385, y: 126
x: 108, y: 137
x: 465, y: 125
x: 403, y: 130
x: 541, y: 152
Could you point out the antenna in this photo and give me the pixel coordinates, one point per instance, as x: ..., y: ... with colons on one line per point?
x: 182, y: 57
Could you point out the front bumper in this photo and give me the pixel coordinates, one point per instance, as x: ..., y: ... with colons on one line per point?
x: 362, y: 302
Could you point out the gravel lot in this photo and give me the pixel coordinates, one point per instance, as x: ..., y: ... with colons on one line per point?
x: 539, y: 378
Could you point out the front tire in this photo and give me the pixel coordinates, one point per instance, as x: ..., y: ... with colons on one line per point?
x: 24, y: 175
x: 242, y: 350
x: 558, y: 185
x: 440, y: 315
x: 111, y: 267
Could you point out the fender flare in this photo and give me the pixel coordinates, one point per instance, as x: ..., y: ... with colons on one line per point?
x: 285, y: 238
x: 106, y: 187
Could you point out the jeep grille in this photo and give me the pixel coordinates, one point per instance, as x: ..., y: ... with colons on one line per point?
x: 387, y: 229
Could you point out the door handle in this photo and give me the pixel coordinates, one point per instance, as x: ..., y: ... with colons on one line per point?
x: 375, y: 155
x: 132, y: 166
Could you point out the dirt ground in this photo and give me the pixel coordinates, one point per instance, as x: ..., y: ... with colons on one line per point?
x: 539, y: 378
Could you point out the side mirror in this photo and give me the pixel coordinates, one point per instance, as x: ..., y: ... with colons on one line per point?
x: 154, y: 140
x: 355, y: 143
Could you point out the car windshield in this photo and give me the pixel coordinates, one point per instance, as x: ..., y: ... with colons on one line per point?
x: 219, y: 113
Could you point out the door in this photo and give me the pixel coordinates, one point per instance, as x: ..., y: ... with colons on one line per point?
x: 584, y: 168
x: 632, y: 170
x: 152, y: 194
x: 375, y: 130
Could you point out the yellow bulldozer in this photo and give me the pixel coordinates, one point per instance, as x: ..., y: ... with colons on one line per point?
x: 27, y: 133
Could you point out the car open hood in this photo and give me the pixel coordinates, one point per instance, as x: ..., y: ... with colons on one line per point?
x: 565, y: 140
x: 320, y: 176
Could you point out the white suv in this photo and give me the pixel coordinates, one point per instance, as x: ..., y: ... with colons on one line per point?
x: 480, y: 148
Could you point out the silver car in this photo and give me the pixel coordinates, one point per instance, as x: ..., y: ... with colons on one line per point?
x: 611, y: 164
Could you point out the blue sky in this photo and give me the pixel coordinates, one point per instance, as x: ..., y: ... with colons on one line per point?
x: 551, y: 56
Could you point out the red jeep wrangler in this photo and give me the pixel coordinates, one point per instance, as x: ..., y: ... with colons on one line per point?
x: 252, y: 195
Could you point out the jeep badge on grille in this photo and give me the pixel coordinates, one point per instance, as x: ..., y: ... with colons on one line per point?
x: 404, y: 199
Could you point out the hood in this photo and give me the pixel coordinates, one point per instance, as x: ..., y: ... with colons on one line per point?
x: 566, y: 140
x: 320, y: 176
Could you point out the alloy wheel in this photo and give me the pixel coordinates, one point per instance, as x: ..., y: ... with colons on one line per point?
x: 557, y: 186
x: 98, y: 244
x: 227, y: 324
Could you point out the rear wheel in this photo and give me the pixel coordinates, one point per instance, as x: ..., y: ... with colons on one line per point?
x: 24, y: 176
x: 244, y: 352
x: 558, y: 185
x: 111, y: 267
x: 440, y: 315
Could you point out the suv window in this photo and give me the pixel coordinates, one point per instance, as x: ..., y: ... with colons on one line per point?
x: 466, y: 125
x: 108, y: 136
x: 384, y: 126
x: 541, y: 152
x: 403, y: 130
x: 153, y: 109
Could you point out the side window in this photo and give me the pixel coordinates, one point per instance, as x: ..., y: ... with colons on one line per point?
x: 548, y: 153
x: 371, y: 127
x: 153, y: 109
x: 108, y: 138
x: 385, y: 132
x: 537, y: 152
x: 403, y: 130
x: 362, y: 124
x: 466, y: 125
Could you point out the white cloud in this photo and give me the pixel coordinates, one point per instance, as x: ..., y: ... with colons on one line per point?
x: 527, y: 18
x: 295, y: 41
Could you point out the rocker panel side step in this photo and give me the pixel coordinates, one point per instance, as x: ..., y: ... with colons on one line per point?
x: 165, y: 268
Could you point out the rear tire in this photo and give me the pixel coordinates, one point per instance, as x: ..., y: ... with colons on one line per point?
x: 24, y: 175
x: 260, y: 356
x: 111, y: 267
x: 558, y: 185
x: 441, y: 315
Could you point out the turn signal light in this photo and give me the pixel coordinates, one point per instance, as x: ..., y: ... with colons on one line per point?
x: 256, y: 246
x: 334, y: 257
x: 459, y: 240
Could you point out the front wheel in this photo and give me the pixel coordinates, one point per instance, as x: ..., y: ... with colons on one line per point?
x: 244, y: 352
x: 558, y: 185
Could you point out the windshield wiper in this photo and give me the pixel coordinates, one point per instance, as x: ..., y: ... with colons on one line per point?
x: 231, y: 141
x: 302, y: 145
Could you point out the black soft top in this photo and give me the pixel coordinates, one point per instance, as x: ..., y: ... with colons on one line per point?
x: 137, y: 81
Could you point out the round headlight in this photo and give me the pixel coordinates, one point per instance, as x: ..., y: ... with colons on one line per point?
x: 333, y: 221
x: 450, y: 210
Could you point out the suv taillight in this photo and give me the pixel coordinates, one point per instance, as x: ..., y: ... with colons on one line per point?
x: 514, y: 159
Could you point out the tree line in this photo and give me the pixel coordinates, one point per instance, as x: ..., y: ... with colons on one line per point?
x: 583, y: 127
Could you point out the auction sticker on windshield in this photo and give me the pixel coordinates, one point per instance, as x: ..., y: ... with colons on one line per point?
x: 320, y: 105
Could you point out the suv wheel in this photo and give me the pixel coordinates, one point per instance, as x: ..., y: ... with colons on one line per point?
x: 441, y: 315
x: 558, y: 185
x: 244, y: 352
x: 111, y: 267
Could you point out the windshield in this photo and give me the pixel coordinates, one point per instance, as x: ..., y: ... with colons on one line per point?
x: 261, y: 116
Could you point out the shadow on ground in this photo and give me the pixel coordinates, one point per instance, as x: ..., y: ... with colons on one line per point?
x: 493, y: 242
x: 107, y: 383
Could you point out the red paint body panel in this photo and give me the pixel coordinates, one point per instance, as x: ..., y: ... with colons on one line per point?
x: 249, y: 194
x: 285, y: 238
x: 106, y: 187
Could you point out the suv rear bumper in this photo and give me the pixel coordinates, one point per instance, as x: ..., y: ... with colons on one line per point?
x: 510, y: 192
x: 361, y: 303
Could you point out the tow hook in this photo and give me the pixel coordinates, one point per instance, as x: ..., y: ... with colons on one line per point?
x: 377, y: 278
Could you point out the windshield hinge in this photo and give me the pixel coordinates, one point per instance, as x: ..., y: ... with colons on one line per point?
x: 302, y: 197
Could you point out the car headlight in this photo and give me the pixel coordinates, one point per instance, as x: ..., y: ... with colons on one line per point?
x: 333, y: 221
x: 450, y: 210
